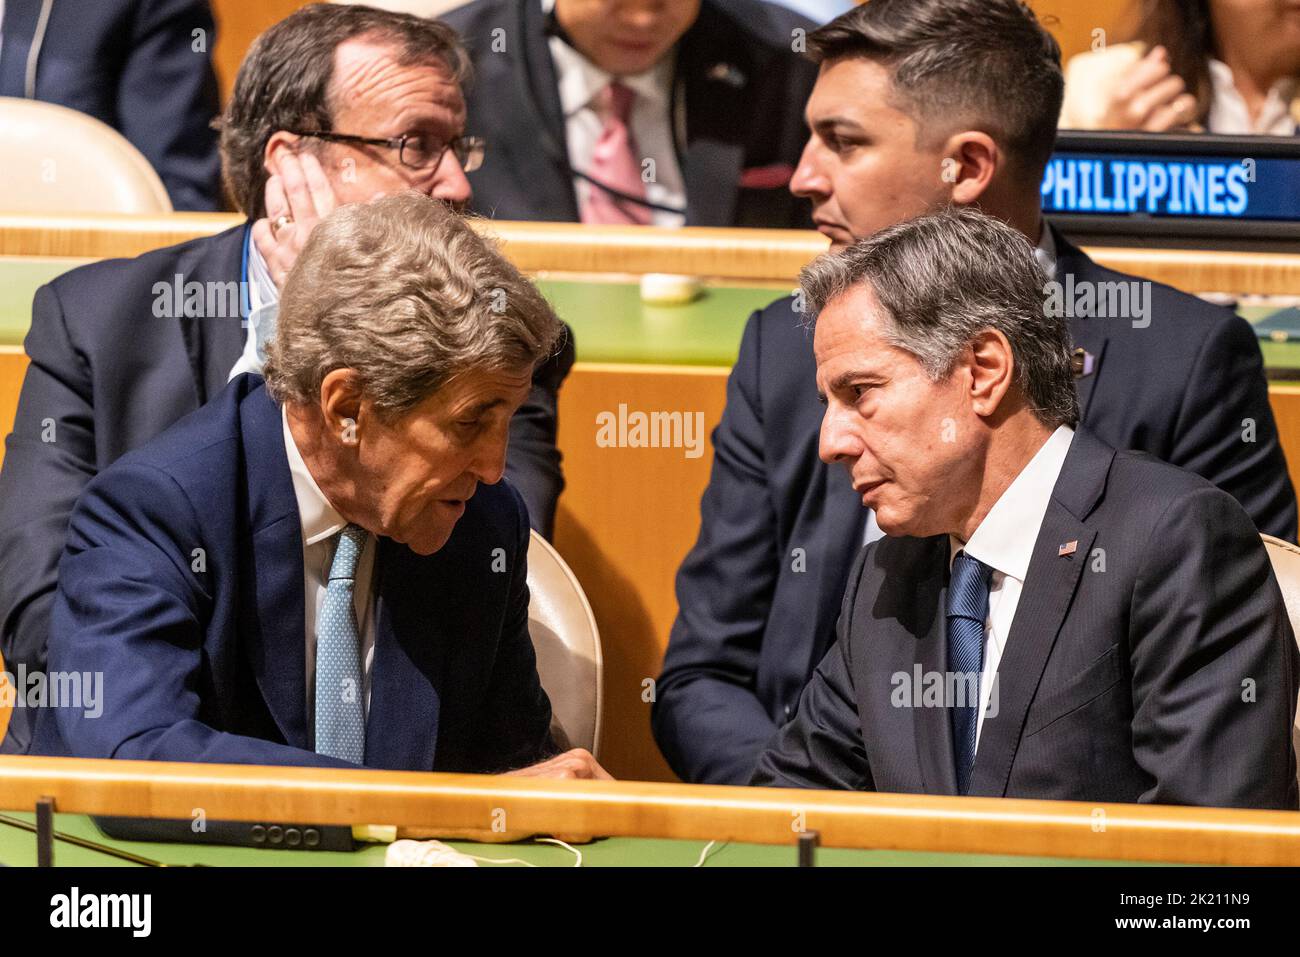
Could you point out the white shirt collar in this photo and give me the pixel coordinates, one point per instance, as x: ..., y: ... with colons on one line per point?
x: 320, y: 520
x: 1229, y: 114
x: 261, y: 288
x: 1005, y: 538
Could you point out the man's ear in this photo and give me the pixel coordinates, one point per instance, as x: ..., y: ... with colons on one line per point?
x: 341, y: 403
x: 992, y: 371
x: 971, y: 160
x: 280, y: 143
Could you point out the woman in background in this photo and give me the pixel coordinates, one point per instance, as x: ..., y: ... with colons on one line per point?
x: 1217, y: 66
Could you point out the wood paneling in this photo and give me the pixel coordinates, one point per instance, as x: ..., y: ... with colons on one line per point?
x: 1074, y: 22
x: 238, y: 24
x: 745, y: 255
x: 685, y: 812
x: 626, y: 520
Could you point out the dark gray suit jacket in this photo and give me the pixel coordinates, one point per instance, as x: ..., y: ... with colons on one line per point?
x: 1154, y: 663
x: 759, y: 592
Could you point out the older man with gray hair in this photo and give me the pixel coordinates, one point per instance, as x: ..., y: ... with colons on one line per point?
x: 335, y: 104
x: 1049, y: 617
x: 327, y: 569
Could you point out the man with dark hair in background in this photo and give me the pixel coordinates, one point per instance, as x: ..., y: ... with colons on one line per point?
x: 921, y: 104
x: 335, y: 104
x: 1048, y: 617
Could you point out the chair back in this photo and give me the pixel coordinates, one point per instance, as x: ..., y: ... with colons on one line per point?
x: 567, y: 643
x: 57, y: 160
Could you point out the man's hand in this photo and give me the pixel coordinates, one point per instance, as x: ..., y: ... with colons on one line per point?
x: 575, y: 764
x: 297, y: 198
x: 1149, y: 97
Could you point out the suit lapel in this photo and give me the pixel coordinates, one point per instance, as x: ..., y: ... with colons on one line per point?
x: 410, y: 660
x: 549, y: 185
x: 213, y: 343
x: 714, y: 81
x: 844, y: 519
x: 272, y: 599
x: 1049, y: 589
x: 1085, y: 333
x: 1086, y: 337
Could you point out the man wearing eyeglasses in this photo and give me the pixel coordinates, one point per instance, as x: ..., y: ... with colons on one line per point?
x: 335, y: 104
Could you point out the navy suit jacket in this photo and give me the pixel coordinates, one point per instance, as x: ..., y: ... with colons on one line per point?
x: 108, y: 374
x: 208, y: 664
x: 1153, y: 663
x: 759, y: 593
x: 133, y: 65
x: 743, y: 90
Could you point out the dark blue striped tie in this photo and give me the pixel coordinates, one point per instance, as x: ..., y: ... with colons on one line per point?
x: 968, y: 608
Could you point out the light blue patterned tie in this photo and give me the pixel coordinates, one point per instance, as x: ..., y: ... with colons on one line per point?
x: 340, y: 720
x: 968, y: 608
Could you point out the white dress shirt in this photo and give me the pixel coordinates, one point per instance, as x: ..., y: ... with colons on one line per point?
x: 263, y: 303
x: 651, y: 124
x: 321, y: 524
x: 1005, y: 542
x: 1229, y: 114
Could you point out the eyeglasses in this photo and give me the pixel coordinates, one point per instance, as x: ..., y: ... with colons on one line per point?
x: 415, y: 150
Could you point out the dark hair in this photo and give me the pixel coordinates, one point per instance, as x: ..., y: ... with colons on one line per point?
x: 986, y: 63
x: 1184, y: 28
x: 284, y: 82
x: 942, y: 279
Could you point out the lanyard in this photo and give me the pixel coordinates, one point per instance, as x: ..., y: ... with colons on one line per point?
x: 245, y: 300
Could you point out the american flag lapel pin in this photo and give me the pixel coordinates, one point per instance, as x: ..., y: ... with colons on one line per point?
x: 1069, y: 548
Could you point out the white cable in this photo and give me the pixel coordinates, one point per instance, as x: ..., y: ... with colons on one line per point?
x: 500, y: 860
x: 556, y: 840
x: 704, y: 854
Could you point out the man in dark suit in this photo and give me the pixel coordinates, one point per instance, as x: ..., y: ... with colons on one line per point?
x: 706, y: 132
x: 1177, y: 377
x: 1048, y: 617
x: 122, y: 349
x: 326, y: 568
x: 142, y: 66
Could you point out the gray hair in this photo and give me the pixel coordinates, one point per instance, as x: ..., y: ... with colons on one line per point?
x: 943, y: 278
x: 405, y: 293
x: 286, y: 81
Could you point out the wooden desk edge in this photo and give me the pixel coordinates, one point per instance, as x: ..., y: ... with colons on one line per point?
x: 767, y: 255
x: 650, y: 810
